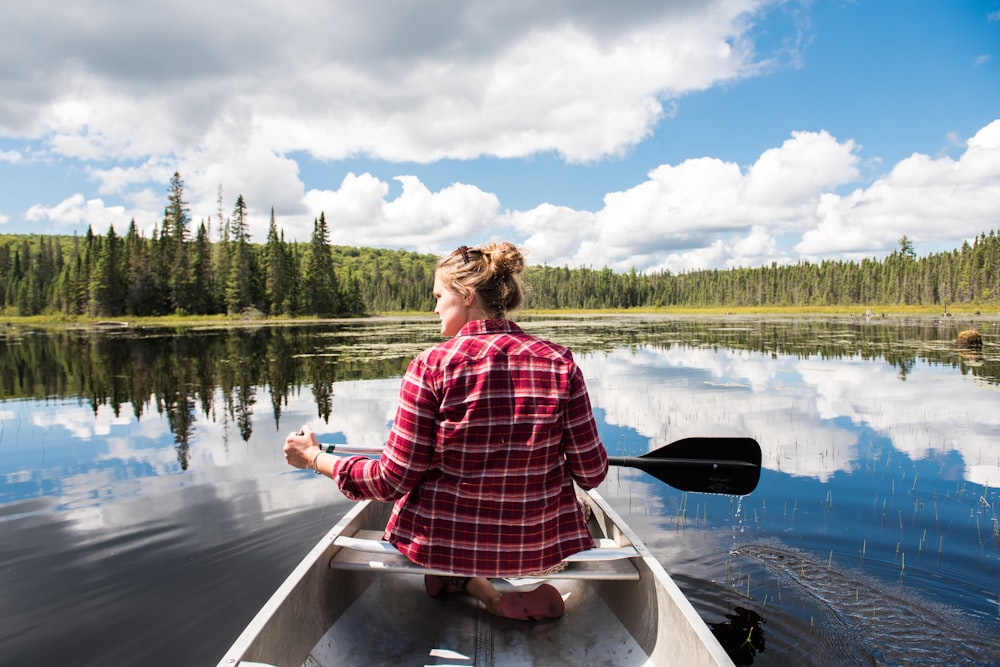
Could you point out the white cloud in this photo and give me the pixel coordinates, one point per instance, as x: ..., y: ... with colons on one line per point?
x: 360, y: 214
x: 336, y: 79
x: 712, y: 255
x: 358, y: 202
x: 757, y: 248
x: 552, y: 233
x: 704, y: 213
x: 805, y: 166
x: 74, y: 210
x: 118, y: 179
x: 930, y: 200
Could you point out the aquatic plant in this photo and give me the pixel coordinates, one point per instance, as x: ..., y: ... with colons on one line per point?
x: 970, y: 339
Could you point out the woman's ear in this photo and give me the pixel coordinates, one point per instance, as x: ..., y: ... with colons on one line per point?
x: 470, y: 299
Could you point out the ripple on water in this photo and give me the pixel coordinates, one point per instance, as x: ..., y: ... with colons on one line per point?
x: 881, y: 623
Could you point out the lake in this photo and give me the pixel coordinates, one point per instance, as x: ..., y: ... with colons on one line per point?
x: 147, y: 513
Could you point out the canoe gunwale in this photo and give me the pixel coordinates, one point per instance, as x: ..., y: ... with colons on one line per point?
x: 678, y: 635
x: 303, y: 606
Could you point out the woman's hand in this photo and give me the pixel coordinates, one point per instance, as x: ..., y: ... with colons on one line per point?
x: 301, y: 448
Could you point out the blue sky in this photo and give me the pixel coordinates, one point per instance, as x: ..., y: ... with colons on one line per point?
x: 659, y: 135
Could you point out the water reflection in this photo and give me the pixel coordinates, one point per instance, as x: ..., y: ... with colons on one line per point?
x: 806, y: 412
x: 741, y: 635
x: 879, y: 439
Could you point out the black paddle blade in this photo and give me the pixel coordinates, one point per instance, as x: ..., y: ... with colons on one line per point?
x: 727, y: 465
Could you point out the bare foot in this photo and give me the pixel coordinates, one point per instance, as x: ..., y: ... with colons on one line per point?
x: 484, y: 591
x: 541, y: 603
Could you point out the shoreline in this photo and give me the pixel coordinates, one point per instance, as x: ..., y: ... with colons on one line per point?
x: 960, y: 314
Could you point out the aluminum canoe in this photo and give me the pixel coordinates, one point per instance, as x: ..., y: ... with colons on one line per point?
x: 353, y: 600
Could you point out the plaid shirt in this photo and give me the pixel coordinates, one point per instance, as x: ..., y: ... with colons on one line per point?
x: 491, y: 430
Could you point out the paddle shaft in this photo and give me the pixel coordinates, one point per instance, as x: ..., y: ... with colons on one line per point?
x: 644, y: 463
x: 624, y: 461
x: 727, y: 465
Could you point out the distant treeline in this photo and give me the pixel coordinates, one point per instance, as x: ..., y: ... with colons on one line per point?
x: 968, y: 275
x: 176, y: 271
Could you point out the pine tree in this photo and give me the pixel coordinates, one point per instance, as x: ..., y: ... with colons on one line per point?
x: 239, y: 291
x: 107, y: 279
x: 175, y: 245
x: 277, y: 272
x: 139, y: 283
x: 201, y: 273
x: 320, y: 281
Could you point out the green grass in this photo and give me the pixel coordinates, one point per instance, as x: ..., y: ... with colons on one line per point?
x: 961, y: 311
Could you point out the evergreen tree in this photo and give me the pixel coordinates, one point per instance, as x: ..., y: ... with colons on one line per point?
x: 139, y: 295
x: 278, y: 272
x: 176, y: 257
x: 906, y: 248
x: 107, y: 279
x: 176, y: 214
x: 239, y: 287
x: 159, y: 272
x: 223, y: 262
x: 202, y: 301
x: 320, y: 280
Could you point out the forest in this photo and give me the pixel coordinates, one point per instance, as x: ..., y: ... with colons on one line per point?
x: 180, y: 271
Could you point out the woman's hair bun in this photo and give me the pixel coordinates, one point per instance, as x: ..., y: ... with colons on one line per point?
x: 504, y: 258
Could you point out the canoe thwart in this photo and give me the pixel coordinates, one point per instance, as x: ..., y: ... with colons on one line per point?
x: 366, y: 551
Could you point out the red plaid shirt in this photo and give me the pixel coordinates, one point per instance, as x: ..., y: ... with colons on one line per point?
x: 492, y: 428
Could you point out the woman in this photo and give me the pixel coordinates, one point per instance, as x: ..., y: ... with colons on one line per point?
x: 492, y: 429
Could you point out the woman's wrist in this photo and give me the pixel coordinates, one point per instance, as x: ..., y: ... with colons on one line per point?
x: 315, y: 462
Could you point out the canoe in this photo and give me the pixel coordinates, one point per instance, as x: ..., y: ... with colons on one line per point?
x: 354, y: 600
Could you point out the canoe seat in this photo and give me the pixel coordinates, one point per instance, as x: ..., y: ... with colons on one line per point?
x: 366, y: 550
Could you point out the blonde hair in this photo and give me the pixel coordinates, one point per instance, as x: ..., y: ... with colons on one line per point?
x: 492, y: 271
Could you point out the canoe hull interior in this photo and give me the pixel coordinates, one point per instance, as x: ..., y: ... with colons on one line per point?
x: 323, y: 616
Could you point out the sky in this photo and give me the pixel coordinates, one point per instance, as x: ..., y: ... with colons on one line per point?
x: 657, y: 135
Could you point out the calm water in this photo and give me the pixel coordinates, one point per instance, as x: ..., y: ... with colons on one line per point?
x: 146, y: 512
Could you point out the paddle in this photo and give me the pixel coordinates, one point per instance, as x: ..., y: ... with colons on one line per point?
x: 729, y: 465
